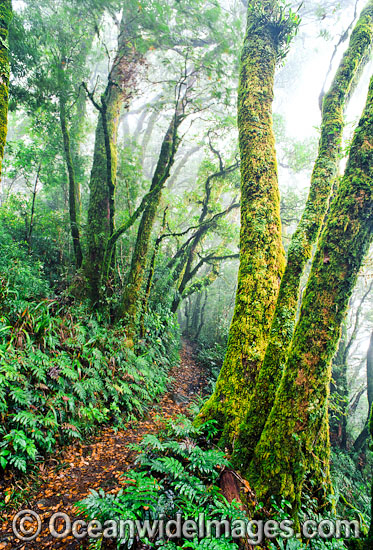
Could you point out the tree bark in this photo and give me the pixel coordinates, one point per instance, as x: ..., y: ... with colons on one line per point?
x: 6, y: 15
x: 324, y: 174
x: 131, y: 297
x: 120, y: 88
x: 285, y: 452
x: 262, y: 255
x: 74, y: 190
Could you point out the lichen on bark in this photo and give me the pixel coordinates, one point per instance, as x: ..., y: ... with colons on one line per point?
x: 284, y: 454
x: 323, y: 177
x: 261, y: 251
x: 121, y: 85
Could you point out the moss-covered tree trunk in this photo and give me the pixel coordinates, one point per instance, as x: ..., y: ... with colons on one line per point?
x: 262, y: 255
x: 324, y: 174
x: 286, y: 450
x: 369, y: 542
x: 339, y: 395
x: 131, y: 298
x: 74, y: 188
x: 121, y: 84
x: 5, y: 19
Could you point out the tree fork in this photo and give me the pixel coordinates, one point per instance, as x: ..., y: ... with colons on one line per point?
x: 324, y: 174
x: 285, y: 451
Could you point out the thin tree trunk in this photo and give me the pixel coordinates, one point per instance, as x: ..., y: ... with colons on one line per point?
x: 370, y: 373
x: 202, y: 317
x: 339, y: 394
x: 6, y: 15
x: 32, y: 216
x: 285, y: 452
x: 74, y: 190
x: 149, y: 282
x: 196, y: 314
x: 166, y: 159
x: 363, y: 436
x: 324, y: 173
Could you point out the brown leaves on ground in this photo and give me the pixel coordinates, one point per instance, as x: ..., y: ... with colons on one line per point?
x: 100, y: 463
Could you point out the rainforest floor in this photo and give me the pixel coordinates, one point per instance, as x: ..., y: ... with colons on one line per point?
x: 98, y: 463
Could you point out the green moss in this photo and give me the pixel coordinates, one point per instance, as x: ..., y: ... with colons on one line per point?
x: 5, y: 19
x: 101, y: 211
x: 323, y: 176
x: 131, y: 298
x: 294, y: 432
x: 262, y: 255
x: 369, y: 542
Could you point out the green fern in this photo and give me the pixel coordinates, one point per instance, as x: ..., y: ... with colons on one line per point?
x: 210, y: 544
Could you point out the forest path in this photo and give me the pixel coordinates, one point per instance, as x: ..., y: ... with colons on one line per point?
x: 101, y: 462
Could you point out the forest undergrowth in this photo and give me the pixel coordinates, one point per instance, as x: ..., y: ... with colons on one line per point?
x: 186, y: 325
x: 96, y: 460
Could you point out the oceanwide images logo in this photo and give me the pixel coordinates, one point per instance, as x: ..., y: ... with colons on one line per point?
x: 28, y: 525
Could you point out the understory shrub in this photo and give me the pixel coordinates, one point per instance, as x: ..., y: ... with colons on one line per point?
x: 176, y: 474
x: 173, y: 476
x: 64, y: 373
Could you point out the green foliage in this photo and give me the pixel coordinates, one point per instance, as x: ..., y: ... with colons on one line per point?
x: 174, y: 475
x: 64, y: 373
x: 32, y: 269
x: 24, y: 273
x: 282, y: 512
x: 294, y: 544
x: 352, y: 490
x: 279, y: 17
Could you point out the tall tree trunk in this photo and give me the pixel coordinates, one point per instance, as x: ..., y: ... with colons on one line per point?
x: 285, y: 451
x: 32, y: 215
x: 74, y: 189
x: 166, y: 159
x: 369, y: 541
x: 149, y: 282
x: 262, y: 256
x: 339, y: 394
x: 121, y: 84
x: 300, y: 250
x: 6, y: 15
